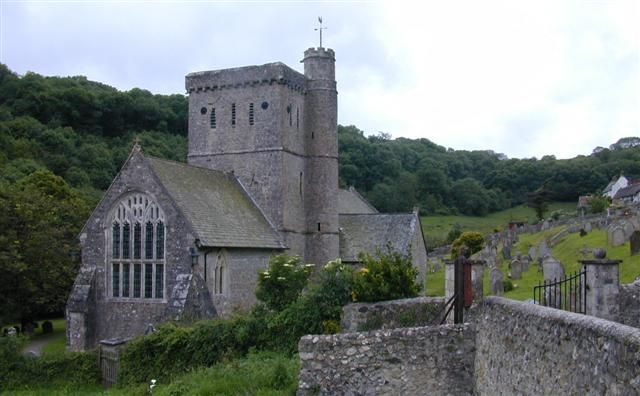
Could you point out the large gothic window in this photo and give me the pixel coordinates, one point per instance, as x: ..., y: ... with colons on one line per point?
x: 137, y: 245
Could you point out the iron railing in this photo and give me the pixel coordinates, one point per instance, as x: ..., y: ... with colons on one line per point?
x: 568, y: 293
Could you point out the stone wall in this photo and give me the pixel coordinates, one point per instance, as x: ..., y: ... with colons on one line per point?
x: 412, y: 361
x: 629, y: 304
x: 410, y: 312
x: 527, y: 349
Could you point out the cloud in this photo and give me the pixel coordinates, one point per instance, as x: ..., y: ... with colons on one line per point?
x: 526, y: 79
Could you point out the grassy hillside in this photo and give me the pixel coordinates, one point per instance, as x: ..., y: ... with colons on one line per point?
x: 436, y: 228
x: 568, y: 251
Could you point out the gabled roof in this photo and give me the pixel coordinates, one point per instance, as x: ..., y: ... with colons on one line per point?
x: 350, y: 201
x: 627, y: 191
x: 366, y: 232
x: 216, y: 205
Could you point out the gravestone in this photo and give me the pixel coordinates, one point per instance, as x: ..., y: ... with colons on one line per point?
x: 552, y: 269
x: 12, y: 332
x: 544, y: 250
x: 573, y: 228
x: 532, y: 253
x: 525, y: 263
x: 496, y: 285
x: 47, y: 327
x: 516, y: 269
x: 634, y: 243
x: 506, y: 252
x: 628, y: 229
x: 616, y: 236
x: 545, y: 225
x: 587, y: 227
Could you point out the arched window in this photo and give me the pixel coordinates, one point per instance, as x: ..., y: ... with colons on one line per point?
x: 220, y: 274
x: 137, y: 261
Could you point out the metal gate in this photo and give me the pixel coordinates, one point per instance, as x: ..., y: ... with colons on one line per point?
x: 568, y: 293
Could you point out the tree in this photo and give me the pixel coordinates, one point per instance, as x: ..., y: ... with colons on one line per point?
x: 598, y: 204
x: 539, y: 201
x: 40, y: 217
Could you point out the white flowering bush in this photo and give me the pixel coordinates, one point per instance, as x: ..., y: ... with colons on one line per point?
x: 281, y: 283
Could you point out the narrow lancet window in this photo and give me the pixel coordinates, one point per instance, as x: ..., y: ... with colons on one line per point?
x: 137, y: 240
x: 233, y: 114
x: 251, y: 114
x: 212, y: 118
x: 160, y: 241
x: 126, y: 233
x: 148, y: 243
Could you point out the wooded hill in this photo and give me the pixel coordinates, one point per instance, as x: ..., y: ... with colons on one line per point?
x: 83, y: 130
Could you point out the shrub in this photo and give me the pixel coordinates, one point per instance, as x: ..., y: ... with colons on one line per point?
x: 387, y: 276
x: 507, y: 285
x: 284, y: 280
x: 468, y: 243
x: 18, y: 371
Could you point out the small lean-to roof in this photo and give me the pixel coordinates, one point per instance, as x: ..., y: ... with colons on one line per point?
x: 351, y: 202
x: 217, y: 206
x: 368, y: 232
x: 627, y: 191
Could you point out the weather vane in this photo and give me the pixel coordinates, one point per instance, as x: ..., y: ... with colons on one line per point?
x: 320, y: 29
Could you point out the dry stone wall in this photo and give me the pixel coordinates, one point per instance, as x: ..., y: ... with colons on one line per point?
x: 411, y: 312
x: 411, y: 361
x: 629, y: 304
x: 533, y: 350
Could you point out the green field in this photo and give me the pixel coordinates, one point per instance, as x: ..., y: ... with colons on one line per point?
x: 436, y: 228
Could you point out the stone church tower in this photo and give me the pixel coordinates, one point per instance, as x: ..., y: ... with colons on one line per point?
x: 276, y: 130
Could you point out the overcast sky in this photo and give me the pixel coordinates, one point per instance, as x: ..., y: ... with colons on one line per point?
x: 524, y: 78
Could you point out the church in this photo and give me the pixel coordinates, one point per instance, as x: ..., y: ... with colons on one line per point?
x: 174, y: 241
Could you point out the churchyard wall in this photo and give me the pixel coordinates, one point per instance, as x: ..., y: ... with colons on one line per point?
x: 411, y: 312
x: 528, y: 349
x: 509, y: 347
x: 411, y: 361
x: 629, y: 304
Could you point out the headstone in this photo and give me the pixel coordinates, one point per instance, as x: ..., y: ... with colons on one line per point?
x: 12, y: 332
x: 616, y: 236
x: 516, y: 269
x: 533, y: 253
x: 525, y: 263
x: 544, y: 250
x: 552, y: 269
x: 628, y: 229
x: 587, y: 227
x: 496, y: 286
x: 573, y: 228
x: 545, y: 225
x: 47, y: 327
x: 634, y: 243
x: 506, y: 252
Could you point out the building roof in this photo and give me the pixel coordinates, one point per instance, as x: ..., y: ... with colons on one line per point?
x: 217, y: 206
x: 366, y: 232
x: 350, y: 201
x: 627, y: 191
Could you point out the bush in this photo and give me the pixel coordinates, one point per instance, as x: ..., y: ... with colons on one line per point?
x: 387, y: 276
x: 507, y: 285
x: 18, y: 371
x: 284, y: 280
x: 468, y: 243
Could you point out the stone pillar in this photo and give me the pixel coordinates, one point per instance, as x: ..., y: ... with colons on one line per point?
x: 477, y: 273
x: 603, y: 286
x: 449, y: 276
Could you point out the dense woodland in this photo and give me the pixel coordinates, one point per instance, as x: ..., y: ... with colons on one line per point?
x: 62, y: 141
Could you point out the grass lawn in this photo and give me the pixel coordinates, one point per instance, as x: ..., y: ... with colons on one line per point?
x: 436, y: 228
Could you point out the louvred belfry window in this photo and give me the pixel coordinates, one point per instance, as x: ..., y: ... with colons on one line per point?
x: 137, y: 249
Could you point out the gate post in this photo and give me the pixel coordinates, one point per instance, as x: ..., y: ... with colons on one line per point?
x: 603, y: 286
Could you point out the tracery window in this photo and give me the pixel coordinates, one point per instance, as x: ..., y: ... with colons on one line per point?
x: 137, y: 245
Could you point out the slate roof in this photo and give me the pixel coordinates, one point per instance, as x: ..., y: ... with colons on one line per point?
x: 350, y: 201
x: 628, y: 191
x: 217, y: 206
x: 366, y: 232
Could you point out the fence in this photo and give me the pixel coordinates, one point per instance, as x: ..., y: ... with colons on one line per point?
x: 568, y: 293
